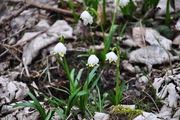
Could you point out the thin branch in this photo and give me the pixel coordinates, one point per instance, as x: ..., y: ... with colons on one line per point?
x: 152, y: 100
x: 20, y: 43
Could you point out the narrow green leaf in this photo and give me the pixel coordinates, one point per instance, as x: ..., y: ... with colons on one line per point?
x: 81, y: 93
x: 61, y: 103
x: 65, y: 91
x: 168, y: 17
x: 27, y: 104
x: 73, y: 11
x: 72, y: 74
x: 37, y: 104
x: 78, y: 77
x: 49, y: 115
x: 96, y: 81
x: 61, y: 115
x: 120, y: 91
x: 112, y: 97
x: 109, y: 40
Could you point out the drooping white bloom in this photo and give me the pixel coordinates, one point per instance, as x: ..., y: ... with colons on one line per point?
x: 60, y: 49
x: 87, y: 18
x: 92, y: 60
x: 122, y: 3
x: 111, y: 56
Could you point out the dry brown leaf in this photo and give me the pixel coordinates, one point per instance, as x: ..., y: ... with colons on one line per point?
x: 139, y: 36
x: 130, y: 67
x: 165, y: 113
x: 11, y: 90
x: 4, y: 65
x: 152, y: 37
x: 162, y: 8
x: 101, y: 116
x: 177, y: 26
x: 177, y: 5
x: 177, y: 114
x: 142, y: 82
x: 143, y: 35
x: 147, y: 116
x: 129, y: 42
x: 150, y: 55
x: 176, y: 41
x: 173, y: 96
x: 32, y: 48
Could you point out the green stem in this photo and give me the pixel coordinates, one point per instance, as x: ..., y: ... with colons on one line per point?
x: 99, y: 97
x: 66, y: 68
x: 101, y: 24
x: 104, y: 11
x: 117, y: 76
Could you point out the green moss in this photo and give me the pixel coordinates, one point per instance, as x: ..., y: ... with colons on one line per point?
x: 127, y: 112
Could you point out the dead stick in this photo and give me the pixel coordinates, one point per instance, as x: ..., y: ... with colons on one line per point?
x: 30, y: 38
x: 47, y: 7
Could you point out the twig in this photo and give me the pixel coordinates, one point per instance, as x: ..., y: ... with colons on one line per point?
x: 69, y: 116
x: 26, y: 68
x: 47, y: 7
x: 170, y: 63
x: 152, y: 100
x: 149, y: 13
x: 4, y: 52
x: 30, y: 38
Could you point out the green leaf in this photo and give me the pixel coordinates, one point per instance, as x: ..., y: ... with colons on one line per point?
x: 61, y: 103
x: 73, y: 11
x: 49, y: 115
x: 109, y: 41
x: 61, y: 115
x: 165, y: 31
x: 27, y: 104
x: 120, y: 91
x: 37, y: 104
x: 52, y: 101
x: 112, y: 97
x: 168, y: 17
x: 96, y: 81
x: 78, y: 77
x: 65, y: 91
x: 83, y: 55
x: 72, y: 74
x: 81, y: 93
x: 71, y: 101
x: 90, y: 77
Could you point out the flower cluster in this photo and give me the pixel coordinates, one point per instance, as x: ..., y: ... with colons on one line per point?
x: 87, y: 18
x: 92, y: 60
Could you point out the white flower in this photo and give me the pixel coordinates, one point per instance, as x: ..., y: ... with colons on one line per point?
x: 92, y: 60
x: 60, y: 49
x: 111, y: 56
x: 122, y: 2
x: 87, y: 18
